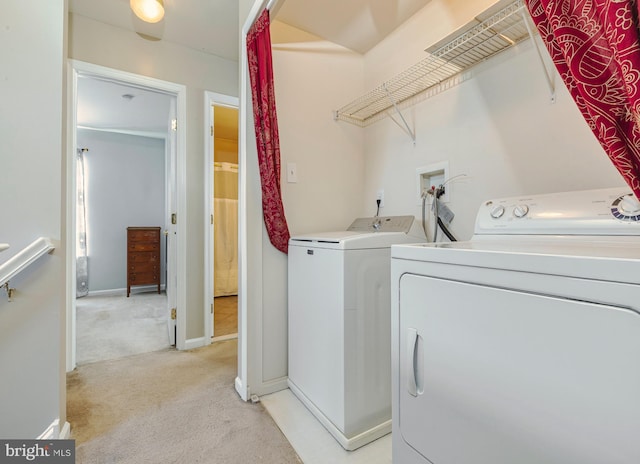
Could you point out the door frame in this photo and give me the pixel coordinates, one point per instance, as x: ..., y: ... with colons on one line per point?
x: 211, y: 99
x: 77, y: 69
x: 250, y: 332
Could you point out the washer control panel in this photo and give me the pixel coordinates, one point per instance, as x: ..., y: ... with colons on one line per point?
x: 626, y: 208
x: 382, y: 224
x: 613, y: 211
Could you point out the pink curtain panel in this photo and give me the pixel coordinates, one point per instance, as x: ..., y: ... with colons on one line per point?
x: 266, y: 127
x: 595, y: 47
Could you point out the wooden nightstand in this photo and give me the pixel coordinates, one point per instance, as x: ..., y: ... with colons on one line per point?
x: 143, y: 257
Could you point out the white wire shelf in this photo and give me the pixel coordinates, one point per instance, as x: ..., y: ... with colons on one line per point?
x: 491, y: 33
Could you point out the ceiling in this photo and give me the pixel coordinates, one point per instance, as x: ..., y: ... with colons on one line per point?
x: 110, y: 106
x: 104, y: 105
x: 355, y: 24
x: 212, y: 27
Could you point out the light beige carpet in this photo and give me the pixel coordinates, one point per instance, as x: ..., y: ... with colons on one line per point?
x: 170, y: 407
x: 114, y: 326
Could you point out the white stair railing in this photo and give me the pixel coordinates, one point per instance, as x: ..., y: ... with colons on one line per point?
x: 16, y: 264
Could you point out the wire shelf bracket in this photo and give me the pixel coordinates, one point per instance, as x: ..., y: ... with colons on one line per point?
x: 499, y: 28
x: 404, y: 126
x: 547, y: 74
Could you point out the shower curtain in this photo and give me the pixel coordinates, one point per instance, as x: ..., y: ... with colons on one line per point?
x: 225, y: 229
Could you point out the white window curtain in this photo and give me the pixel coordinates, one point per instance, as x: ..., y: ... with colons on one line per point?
x: 82, y: 268
x: 225, y: 229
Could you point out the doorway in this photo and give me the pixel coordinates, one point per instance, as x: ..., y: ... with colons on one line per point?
x: 164, y: 142
x: 222, y: 205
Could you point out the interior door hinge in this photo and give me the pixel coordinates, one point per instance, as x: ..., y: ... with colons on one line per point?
x: 174, y: 314
x: 174, y: 125
x: 211, y: 308
x: 212, y: 219
x: 174, y: 218
x: 211, y: 131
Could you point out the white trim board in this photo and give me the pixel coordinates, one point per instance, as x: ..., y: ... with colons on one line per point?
x: 75, y: 70
x: 54, y: 432
x: 211, y: 99
x: 193, y: 343
x: 250, y: 332
x: 223, y: 338
x: 123, y: 291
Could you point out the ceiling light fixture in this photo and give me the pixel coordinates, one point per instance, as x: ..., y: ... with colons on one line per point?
x: 150, y: 11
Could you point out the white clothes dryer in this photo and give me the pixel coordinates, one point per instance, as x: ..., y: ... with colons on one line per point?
x: 340, y: 325
x: 521, y: 345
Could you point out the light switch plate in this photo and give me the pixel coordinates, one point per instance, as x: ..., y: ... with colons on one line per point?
x: 292, y: 173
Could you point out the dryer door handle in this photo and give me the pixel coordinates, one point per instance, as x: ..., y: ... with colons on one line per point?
x: 413, y: 364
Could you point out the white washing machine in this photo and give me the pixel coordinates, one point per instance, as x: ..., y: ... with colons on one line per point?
x: 521, y: 345
x: 340, y: 325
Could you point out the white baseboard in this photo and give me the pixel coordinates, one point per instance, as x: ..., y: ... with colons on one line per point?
x: 111, y: 292
x: 242, y: 391
x: 123, y: 291
x: 222, y: 338
x: 265, y: 388
x: 193, y: 343
x: 272, y: 386
x: 54, y: 432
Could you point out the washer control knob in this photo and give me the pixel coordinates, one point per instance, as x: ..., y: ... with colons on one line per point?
x: 626, y: 208
x: 629, y: 205
x: 497, y: 212
x: 520, y: 211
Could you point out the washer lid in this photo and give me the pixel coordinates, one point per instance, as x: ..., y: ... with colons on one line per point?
x: 351, y: 240
x: 613, y: 261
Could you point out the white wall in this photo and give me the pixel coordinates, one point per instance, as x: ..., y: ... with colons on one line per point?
x: 314, y: 77
x: 125, y: 187
x: 405, y: 46
x: 32, y: 53
x: 198, y: 71
x: 328, y: 158
x: 499, y: 128
x: 327, y: 196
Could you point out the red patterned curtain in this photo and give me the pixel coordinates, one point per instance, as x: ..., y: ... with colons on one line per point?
x: 595, y: 47
x: 266, y: 126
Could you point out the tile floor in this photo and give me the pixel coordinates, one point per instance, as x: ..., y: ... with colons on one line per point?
x: 311, y: 440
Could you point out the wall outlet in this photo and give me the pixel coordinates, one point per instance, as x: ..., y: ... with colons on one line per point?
x: 380, y: 196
